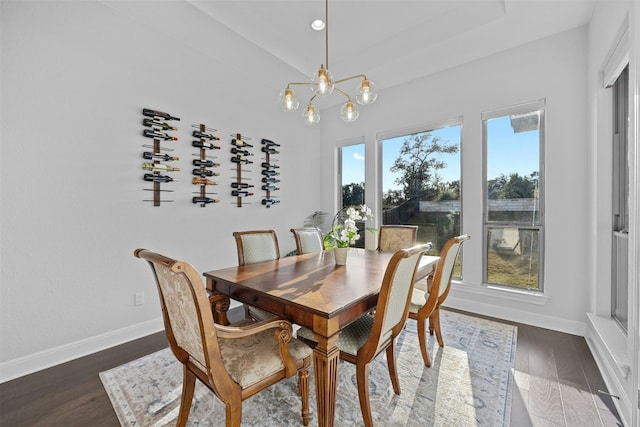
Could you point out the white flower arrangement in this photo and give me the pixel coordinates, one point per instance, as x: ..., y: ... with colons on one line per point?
x: 344, y: 231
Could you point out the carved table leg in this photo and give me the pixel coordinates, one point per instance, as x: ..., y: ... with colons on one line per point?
x: 325, y: 366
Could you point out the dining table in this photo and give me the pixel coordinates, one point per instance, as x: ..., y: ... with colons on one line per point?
x: 311, y: 290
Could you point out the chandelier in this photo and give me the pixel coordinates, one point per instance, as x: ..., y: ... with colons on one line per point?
x: 323, y: 84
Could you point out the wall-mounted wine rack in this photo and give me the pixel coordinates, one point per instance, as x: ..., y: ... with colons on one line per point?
x: 158, y: 129
x: 201, y: 171
x: 270, y: 172
x: 240, y: 156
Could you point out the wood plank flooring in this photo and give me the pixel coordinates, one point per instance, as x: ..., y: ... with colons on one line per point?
x: 556, y: 384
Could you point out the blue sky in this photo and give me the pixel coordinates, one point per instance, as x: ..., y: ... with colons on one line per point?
x: 508, y: 152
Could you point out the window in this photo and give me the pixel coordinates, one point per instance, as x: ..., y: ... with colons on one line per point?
x: 513, y: 215
x: 421, y: 181
x: 620, y: 207
x: 352, y: 184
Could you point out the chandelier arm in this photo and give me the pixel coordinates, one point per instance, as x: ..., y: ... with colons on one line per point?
x: 300, y: 84
x: 343, y: 92
x: 350, y: 78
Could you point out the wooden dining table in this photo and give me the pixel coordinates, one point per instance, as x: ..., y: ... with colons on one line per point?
x: 311, y: 290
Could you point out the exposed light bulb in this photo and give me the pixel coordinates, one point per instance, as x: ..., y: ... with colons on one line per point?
x: 349, y: 112
x: 366, y: 93
x: 323, y: 82
x: 310, y: 115
x: 288, y: 100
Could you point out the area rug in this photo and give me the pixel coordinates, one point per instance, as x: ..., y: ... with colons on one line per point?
x: 468, y: 384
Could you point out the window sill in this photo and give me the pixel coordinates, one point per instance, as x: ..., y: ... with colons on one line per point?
x: 614, y: 340
x: 528, y: 297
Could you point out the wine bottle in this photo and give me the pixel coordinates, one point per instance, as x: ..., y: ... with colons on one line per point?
x: 205, y: 144
x: 205, y: 200
x: 269, y: 165
x: 204, y: 172
x: 158, y: 135
x: 234, y: 150
x: 240, y: 185
x: 269, y: 202
x: 158, y: 125
x: 159, y: 167
x: 241, y: 143
x: 269, y: 143
x: 238, y: 193
x: 269, y: 150
x: 159, y: 156
x: 269, y: 172
x: 205, y: 163
x: 204, y: 135
x: 203, y: 181
x: 241, y: 160
x: 157, y: 178
x: 271, y: 180
x: 270, y: 188
x: 154, y: 113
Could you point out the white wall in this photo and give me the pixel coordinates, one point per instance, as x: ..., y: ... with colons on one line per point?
x: 75, y: 77
x: 552, y: 68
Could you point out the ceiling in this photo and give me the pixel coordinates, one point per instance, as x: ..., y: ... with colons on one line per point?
x: 395, y: 41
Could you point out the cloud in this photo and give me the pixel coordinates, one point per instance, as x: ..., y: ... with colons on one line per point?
x: 358, y: 156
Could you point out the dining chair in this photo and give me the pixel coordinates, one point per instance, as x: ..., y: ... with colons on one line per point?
x: 308, y: 240
x: 426, y: 302
x: 392, y: 238
x: 362, y: 340
x: 235, y: 362
x: 256, y: 246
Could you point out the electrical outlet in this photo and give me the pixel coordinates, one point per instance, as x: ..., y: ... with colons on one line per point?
x: 138, y: 298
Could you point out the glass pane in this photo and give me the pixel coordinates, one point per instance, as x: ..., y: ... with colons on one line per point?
x: 513, y: 167
x: 421, y: 184
x: 352, y: 161
x: 512, y: 256
x: 352, y: 185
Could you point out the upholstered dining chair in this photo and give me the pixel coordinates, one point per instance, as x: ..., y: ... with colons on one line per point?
x: 308, y: 240
x: 426, y: 302
x: 256, y: 246
x: 234, y: 362
x: 392, y: 238
x: 361, y: 341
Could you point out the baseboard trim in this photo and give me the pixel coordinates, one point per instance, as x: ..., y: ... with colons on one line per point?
x: 47, y: 358
x: 506, y: 313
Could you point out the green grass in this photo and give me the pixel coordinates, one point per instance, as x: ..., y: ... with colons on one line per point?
x: 512, y: 269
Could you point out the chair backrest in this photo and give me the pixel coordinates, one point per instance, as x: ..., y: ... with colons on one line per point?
x: 392, y: 238
x: 256, y: 246
x: 444, y: 268
x: 308, y: 240
x: 395, y: 296
x: 186, y: 312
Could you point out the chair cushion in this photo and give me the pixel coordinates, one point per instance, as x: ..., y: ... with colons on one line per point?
x: 418, y: 298
x: 251, y: 359
x: 351, y: 338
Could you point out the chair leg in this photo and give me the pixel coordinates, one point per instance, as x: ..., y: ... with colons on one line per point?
x: 233, y: 413
x: 422, y: 339
x: 188, y: 387
x: 303, y: 389
x: 362, y: 379
x: 436, y: 325
x: 391, y: 364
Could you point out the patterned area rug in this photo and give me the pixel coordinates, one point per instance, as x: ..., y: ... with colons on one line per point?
x: 468, y: 384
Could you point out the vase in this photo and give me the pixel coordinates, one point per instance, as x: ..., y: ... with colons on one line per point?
x: 340, y: 255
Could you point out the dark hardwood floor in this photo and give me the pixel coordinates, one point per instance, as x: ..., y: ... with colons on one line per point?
x: 556, y: 384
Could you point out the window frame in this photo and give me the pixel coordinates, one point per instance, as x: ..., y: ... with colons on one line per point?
x: 539, y: 105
